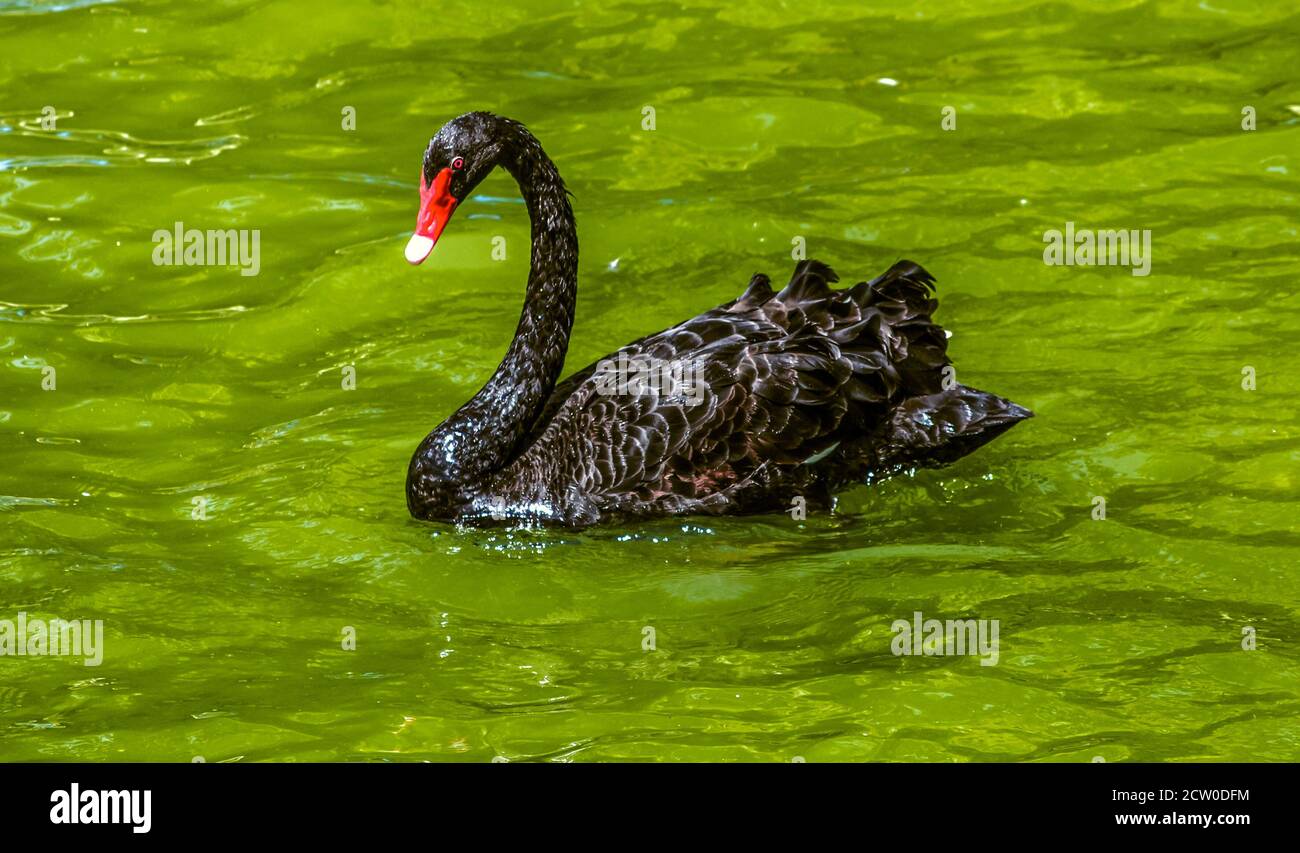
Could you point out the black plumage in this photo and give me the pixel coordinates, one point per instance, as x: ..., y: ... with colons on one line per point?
x: 790, y: 394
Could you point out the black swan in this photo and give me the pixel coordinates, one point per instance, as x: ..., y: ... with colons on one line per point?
x: 746, y: 408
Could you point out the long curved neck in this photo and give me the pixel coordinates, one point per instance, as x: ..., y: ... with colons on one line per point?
x: 490, y: 430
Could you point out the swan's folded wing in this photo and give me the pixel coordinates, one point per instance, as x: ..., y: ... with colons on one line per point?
x: 771, y: 382
x: 734, y: 405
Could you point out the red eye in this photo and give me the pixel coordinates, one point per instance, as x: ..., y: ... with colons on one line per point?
x: 458, y: 163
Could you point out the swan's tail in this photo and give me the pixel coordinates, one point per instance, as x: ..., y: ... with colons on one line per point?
x: 940, y: 428
x: 879, y: 354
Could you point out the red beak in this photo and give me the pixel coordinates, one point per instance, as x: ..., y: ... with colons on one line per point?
x: 437, y: 204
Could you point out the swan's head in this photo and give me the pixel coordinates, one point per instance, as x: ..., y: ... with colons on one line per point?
x: 458, y: 158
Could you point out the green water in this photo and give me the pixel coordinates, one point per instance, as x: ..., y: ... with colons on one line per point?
x: 1119, y: 638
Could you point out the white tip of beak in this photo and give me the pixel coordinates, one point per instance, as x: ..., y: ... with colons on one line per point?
x: 418, y: 248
